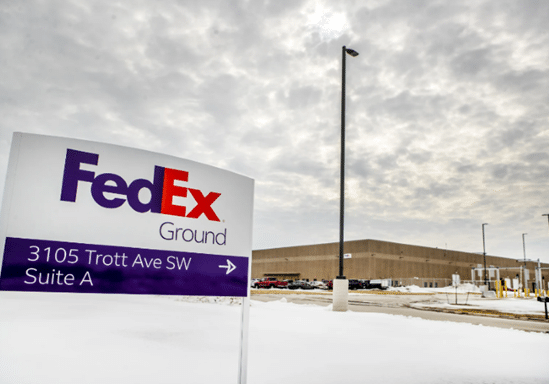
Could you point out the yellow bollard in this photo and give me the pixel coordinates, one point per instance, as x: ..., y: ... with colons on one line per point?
x: 500, y: 290
x: 505, y: 289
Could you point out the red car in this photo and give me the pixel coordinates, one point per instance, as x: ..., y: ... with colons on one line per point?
x: 270, y: 282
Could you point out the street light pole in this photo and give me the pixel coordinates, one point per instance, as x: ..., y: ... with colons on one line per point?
x: 342, y: 168
x: 484, y: 252
x: 540, y: 276
x: 353, y: 53
x: 524, y: 248
x: 340, y: 284
x: 546, y: 214
x: 524, y: 254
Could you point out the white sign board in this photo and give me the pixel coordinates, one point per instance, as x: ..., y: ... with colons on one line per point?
x: 81, y: 216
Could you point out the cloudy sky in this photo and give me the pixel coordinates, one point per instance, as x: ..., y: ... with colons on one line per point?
x: 447, y: 107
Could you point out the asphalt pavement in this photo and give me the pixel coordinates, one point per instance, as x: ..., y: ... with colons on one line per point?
x: 402, y: 305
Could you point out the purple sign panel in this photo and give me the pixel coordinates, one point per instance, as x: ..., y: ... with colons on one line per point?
x: 55, y: 266
x: 112, y: 219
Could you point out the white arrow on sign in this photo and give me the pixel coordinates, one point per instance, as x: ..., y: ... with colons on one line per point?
x: 230, y: 267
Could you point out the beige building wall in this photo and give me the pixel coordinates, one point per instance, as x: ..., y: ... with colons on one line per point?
x: 373, y: 259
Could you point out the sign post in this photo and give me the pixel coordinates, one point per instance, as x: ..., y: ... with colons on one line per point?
x: 88, y: 217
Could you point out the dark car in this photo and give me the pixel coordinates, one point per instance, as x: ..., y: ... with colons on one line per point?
x: 298, y: 284
x: 355, y: 284
x: 377, y: 284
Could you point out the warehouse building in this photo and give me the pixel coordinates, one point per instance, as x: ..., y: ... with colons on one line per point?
x: 373, y: 259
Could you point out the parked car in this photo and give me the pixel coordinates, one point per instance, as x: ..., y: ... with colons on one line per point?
x: 319, y: 284
x: 299, y: 284
x: 270, y: 282
x: 355, y: 284
x: 378, y: 284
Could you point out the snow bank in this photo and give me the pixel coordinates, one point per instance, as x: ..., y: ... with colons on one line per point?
x: 119, y: 339
x: 510, y: 305
x: 462, y: 288
x: 209, y: 299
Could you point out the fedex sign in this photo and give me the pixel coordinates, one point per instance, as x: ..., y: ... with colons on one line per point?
x: 98, y: 224
x: 162, y: 189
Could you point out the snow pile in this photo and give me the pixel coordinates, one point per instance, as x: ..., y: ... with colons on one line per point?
x: 510, y: 305
x: 411, y: 289
x: 209, y: 299
x: 462, y: 288
x: 119, y: 339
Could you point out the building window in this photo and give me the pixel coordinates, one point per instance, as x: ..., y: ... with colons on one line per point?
x: 425, y: 285
x: 436, y: 285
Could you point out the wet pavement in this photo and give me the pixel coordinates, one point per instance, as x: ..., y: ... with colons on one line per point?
x: 408, y: 305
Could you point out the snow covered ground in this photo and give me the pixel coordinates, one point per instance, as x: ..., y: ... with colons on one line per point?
x: 509, y: 305
x: 79, y: 338
x: 462, y: 288
x: 445, y: 297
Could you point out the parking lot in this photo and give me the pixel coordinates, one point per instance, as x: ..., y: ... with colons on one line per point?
x: 422, y: 305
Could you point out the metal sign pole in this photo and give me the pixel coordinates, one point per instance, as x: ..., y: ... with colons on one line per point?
x: 244, y: 327
x: 243, y: 358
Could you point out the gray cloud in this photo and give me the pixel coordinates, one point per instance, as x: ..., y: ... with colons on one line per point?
x: 447, y: 106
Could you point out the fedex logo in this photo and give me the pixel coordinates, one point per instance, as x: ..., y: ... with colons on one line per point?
x: 162, y: 189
